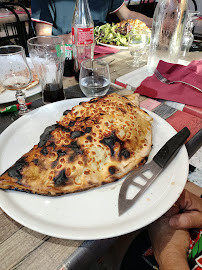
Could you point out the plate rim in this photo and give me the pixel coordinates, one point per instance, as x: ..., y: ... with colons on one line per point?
x: 86, y: 236
x: 113, y: 46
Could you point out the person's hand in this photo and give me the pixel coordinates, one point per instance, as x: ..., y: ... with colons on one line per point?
x: 170, y: 246
x: 67, y: 38
x: 187, y: 212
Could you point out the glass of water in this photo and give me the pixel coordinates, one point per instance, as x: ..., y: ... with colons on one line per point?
x: 94, y: 78
x: 138, y: 41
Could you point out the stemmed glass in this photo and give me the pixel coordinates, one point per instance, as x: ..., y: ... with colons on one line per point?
x: 188, y: 36
x: 15, y: 74
x: 138, y: 41
x: 94, y: 78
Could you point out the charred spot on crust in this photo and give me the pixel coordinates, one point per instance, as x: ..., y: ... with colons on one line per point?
x: 89, y: 138
x: 35, y: 161
x: 75, y: 147
x: 46, y: 135
x: 76, y: 134
x: 81, y: 102
x: 15, y: 171
x: 52, y: 144
x: 93, y: 100
x: 123, y: 111
x: 71, y: 158
x: 65, y: 129
x: 110, y: 142
x: 59, y: 153
x: 125, y: 153
x: 72, y: 123
x: 66, y: 112
x: 60, y: 179
x: 88, y: 129
x: 112, y: 170
x: 144, y: 160
x: 44, y: 151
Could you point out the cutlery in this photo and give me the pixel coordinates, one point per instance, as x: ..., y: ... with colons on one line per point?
x: 155, y: 167
x: 161, y: 78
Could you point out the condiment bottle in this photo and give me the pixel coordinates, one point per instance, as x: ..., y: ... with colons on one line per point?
x: 82, y: 34
x: 168, y: 26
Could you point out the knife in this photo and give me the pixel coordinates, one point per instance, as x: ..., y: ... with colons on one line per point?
x: 154, y: 167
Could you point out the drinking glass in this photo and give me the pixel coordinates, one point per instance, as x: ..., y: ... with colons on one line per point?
x: 188, y: 36
x: 137, y: 45
x: 15, y: 74
x: 48, y: 56
x: 94, y: 78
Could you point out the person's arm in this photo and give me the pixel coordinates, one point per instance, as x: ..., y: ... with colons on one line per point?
x: 43, y: 29
x: 170, y: 246
x: 169, y: 234
x: 124, y: 13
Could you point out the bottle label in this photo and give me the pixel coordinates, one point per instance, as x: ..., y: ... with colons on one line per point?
x: 85, y: 36
x: 73, y: 36
x: 68, y: 51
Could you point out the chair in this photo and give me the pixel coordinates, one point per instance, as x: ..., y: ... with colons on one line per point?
x: 19, y: 30
x: 193, y: 3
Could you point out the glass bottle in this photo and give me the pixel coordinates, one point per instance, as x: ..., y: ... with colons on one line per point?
x: 82, y: 34
x: 168, y: 26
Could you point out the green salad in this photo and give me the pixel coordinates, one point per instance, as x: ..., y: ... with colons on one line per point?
x: 108, y: 34
x: 118, y: 34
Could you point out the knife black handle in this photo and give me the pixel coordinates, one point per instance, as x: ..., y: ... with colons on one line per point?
x: 171, y: 148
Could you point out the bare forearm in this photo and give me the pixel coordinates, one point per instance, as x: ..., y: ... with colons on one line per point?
x: 43, y: 29
x: 173, y: 262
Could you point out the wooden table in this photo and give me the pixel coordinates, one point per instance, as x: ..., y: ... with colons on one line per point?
x: 24, y: 249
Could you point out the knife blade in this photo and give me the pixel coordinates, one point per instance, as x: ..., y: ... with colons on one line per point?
x: 154, y: 167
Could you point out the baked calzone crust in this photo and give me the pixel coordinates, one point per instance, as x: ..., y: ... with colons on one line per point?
x: 95, y: 143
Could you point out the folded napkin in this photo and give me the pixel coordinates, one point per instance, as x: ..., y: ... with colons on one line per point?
x: 178, y: 92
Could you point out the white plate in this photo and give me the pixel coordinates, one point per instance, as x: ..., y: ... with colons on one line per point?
x: 91, y: 214
x: 114, y: 46
x: 9, y: 96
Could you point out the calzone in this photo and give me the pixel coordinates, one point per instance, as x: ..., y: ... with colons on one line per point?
x: 95, y: 143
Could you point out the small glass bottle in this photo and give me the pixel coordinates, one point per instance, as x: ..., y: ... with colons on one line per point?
x: 82, y: 34
x: 168, y: 26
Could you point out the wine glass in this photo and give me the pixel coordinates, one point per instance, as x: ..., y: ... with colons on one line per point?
x: 188, y: 36
x: 15, y: 74
x: 137, y: 45
x: 94, y: 78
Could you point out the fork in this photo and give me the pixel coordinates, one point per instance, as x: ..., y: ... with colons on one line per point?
x: 160, y: 77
